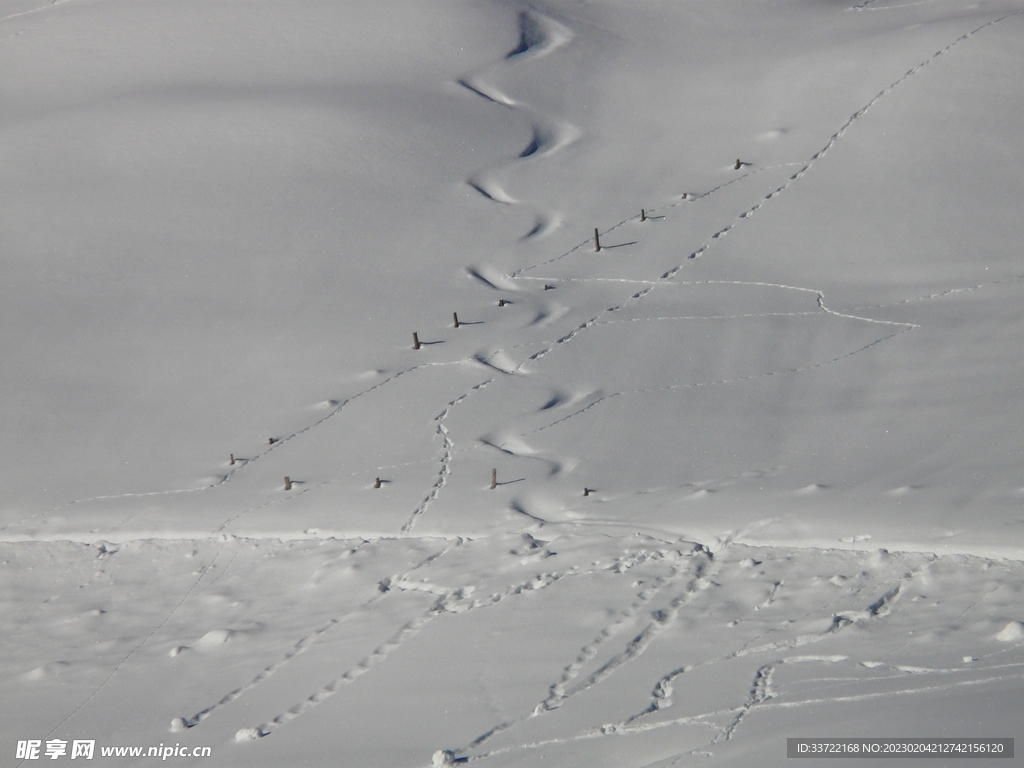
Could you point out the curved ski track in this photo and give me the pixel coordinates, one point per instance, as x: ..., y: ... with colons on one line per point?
x: 539, y: 35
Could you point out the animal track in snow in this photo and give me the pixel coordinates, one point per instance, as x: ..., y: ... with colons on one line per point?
x: 540, y: 35
x: 278, y: 443
x: 306, y: 641
x: 562, y: 689
x: 804, y: 167
x: 453, y: 602
x: 446, y: 458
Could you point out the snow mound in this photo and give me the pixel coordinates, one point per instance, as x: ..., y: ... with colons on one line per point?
x: 443, y: 757
x: 810, y: 490
x: 213, y: 638
x: 52, y: 669
x: 248, y: 734
x: 1011, y: 632
x: 178, y: 724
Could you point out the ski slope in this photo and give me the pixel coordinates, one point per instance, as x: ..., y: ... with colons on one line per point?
x: 756, y: 448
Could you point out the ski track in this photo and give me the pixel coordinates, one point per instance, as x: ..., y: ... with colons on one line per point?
x: 539, y: 35
x: 942, y: 294
x: 560, y: 691
x: 409, y: 630
x: 31, y: 12
x: 869, y: 5
x: 820, y: 299
x: 739, y: 379
x: 688, y: 198
x: 449, y: 601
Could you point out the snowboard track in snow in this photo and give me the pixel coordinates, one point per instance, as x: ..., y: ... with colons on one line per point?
x: 539, y: 35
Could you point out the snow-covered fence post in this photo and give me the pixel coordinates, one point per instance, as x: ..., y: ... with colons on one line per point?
x: 287, y: 483
x: 376, y: 483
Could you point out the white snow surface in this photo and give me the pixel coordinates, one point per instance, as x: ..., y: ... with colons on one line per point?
x: 759, y: 460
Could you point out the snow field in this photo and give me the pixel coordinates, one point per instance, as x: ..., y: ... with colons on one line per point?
x: 757, y: 458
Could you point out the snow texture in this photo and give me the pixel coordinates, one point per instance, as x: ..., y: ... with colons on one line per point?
x: 739, y: 310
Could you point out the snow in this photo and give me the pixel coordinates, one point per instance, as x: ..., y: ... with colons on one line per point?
x: 758, y: 461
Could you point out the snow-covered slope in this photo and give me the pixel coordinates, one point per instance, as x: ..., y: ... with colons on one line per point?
x: 778, y: 406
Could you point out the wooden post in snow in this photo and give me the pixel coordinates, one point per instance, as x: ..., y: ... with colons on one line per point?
x: 287, y: 483
x: 455, y: 315
x: 494, y: 479
x: 415, y: 340
x: 597, y: 240
x: 377, y: 483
